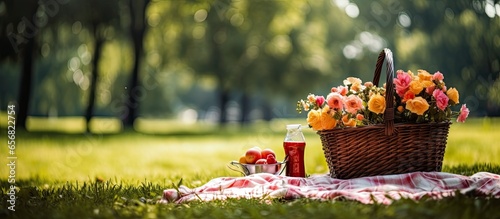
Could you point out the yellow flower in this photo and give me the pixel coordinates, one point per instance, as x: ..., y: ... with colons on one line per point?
x: 321, y: 119
x: 416, y: 87
x: 425, y: 78
x: 376, y: 104
x: 417, y: 105
x: 452, y: 93
x: 314, y: 120
x: 327, y: 121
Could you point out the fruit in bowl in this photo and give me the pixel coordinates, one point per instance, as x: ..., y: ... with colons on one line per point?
x: 256, y: 160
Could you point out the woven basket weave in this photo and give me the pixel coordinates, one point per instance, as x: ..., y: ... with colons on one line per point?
x: 389, y: 148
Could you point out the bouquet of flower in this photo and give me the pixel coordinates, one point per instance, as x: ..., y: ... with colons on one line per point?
x: 420, y: 98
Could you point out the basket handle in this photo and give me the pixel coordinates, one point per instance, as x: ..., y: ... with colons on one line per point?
x: 386, y: 55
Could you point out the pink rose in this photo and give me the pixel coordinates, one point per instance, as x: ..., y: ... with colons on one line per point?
x: 464, y: 113
x: 335, y: 101
x: 438, y: 76
x: 402, y: 82
x: 430, y: 89
x: 353, y: 103
x: 441, y: 99
x: 320, y: 100
x: 342, y: 90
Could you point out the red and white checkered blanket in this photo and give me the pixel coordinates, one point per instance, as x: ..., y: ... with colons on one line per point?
x: 376, y: 189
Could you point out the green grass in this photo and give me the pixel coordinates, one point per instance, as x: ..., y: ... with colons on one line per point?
x: 122, y: 175
x: 476, y: 141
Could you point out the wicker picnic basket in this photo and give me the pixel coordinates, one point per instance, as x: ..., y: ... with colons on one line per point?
x: 389, y: 148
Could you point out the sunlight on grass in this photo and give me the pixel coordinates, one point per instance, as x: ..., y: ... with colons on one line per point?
x: 69, y: 124
x: 105, y: 125
x: 165, y: 126
x: 476, y: 141
x: 65, y: 125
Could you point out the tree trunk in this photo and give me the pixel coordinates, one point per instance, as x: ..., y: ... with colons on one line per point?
x: 217, y: 64
x: 95, y: 75
x: 24, y: 95
x: 223, y: 100
x: 245, y: 109
x: 267, y: 110
x: 137, y: 30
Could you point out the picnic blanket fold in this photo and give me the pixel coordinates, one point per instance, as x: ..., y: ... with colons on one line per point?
x: 367, y: 190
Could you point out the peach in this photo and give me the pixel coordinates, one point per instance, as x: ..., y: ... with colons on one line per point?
x: 243, y: 159
x: 252, y: 155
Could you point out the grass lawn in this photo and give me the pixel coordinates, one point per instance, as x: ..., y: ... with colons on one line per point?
x: 109, y: 175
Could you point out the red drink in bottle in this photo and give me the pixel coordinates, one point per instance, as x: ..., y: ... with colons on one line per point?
x: 295, y: 164
x: 294, y: 145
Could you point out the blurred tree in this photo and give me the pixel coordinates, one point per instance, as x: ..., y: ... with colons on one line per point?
x: 273, y: 49
x: 137, y: 30
x: 49, y: 19
x: 103, y: 16
x: 102, y: 19
x: 19, y: 27
x: 251, y: 47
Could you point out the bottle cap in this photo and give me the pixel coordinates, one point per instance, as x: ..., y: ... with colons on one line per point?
x: 293, y: 126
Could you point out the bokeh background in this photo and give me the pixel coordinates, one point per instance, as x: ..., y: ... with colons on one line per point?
x: 230, y: 61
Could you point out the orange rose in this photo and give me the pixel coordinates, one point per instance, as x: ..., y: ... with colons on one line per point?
x: 408, y: 96
x: 321, y: 119
x: 327, y: 121
x: 376, y: 104
x: 416, y: 87
x: 425, y: 78
x: 349, y: 122
x: 452, y: 93
x: 356, y: 87
x: 417, y: 105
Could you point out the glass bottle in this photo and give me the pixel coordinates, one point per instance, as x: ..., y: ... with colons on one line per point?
x: 294, y: 145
